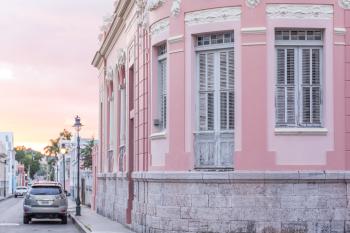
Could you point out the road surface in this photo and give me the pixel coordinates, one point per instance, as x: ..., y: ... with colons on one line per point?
x: 11, y: 220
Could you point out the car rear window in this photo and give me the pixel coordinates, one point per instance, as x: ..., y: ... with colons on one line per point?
x: 46, y: 190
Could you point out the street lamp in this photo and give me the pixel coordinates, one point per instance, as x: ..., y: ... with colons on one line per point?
x: 63, y: 152
x: 77, y: 125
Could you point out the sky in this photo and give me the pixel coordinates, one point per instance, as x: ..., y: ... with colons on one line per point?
x: 46, y: 76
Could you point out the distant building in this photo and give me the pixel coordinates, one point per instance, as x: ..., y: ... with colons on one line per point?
x: 20, y: 175
x: 3, y: 182
x: 6, y: 138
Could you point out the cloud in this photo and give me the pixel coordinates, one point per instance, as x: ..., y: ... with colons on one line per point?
x: 6, y: 72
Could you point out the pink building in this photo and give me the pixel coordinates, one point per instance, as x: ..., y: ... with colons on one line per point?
x: 223, y: 115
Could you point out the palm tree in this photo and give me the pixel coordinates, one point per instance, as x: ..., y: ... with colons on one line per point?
x: 65, y: 134
x: 52, y: 151
x: 86, y: 153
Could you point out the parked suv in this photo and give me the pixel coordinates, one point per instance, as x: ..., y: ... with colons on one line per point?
x: 20, y: 191
x: 45, y: 200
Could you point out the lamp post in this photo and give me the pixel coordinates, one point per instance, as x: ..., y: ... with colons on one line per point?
x: 63, y: 152
x: 77, y: 125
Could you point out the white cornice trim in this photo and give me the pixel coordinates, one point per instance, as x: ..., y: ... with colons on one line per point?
x: 154, y: 4
x: 175, y: 39
x: 254, y: 30
x: 296, y: 11
x: 213, y: 15
x: 252, y: 3
x: 160, y: 26
x: 254, y: 43
x: 344, y: 4
x: 340, y: 31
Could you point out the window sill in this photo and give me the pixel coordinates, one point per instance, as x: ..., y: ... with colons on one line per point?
x: 301, y: 131
x: 158, y: 136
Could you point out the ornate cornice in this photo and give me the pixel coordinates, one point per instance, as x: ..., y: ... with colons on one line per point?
x: 213, y: 15
x: 160, y: 26
x: 110, y: 74
x: 294, y: 11
x: 154, y: 4
x: 344, y: 3
x: 252, y: 3
x: 175, y: 7
x: 121, y: 57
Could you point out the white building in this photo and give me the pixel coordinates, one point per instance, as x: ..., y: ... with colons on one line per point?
x: 6, y: 138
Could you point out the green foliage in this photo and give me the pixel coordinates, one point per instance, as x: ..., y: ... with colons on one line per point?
x: 53, y: 149
x: 86, y: 154
x: 29, y: 158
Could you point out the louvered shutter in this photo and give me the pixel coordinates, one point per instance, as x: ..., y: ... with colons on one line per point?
x: 311, y: 86
x: 285, y: 87
x: 163, y: 92
x: 206, y: 91
x: 227, y: 90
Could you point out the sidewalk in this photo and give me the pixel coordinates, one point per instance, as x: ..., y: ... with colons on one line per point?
x: 5, y: 198
x: 90, y: 221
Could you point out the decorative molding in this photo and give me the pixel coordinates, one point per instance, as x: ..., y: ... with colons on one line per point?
x: 254, y: 43
x: 254, y: 30
x: 344, y: 4
x: 176, y: 51
x: 157, y: 136
x: 252, y: 3
x: 110, y: 74
x: 301, y: 131
x: 121, y: 57
x: 340, y: 31
x: 213, y: 15
x: 175, y: 39
x: 294, y: 11
x: 154, y: 4
x: 160, y: 26
x: 175, y: 7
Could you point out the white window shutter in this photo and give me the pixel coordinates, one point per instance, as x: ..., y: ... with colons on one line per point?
x: 227, y: 90
x: 206, y: 91
x: 285, y: 87
x: 163, y: 92
x: 311, y: 86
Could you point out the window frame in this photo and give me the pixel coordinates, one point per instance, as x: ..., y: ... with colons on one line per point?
x: 162, y: 83
x: 298, y: 46
x: 217, y: 48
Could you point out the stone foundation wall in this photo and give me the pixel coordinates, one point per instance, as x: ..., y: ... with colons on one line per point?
x: 241, y: 202
x: 112, y: 196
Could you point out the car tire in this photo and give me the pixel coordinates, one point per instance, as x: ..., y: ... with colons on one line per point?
x: 25, y: 220
x: 15, y: 196
x: 64, y: 219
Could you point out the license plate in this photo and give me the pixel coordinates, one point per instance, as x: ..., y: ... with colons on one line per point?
x: 44, y: 203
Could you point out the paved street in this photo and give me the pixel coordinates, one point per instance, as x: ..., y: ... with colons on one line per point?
x: 11, y: 220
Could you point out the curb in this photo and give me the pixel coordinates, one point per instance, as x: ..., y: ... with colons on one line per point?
x: 8, y: 197
x: 80, y: 226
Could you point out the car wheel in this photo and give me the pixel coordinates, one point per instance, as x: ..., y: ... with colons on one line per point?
x: 15, y: 196
x: 25, y: 220
x: 64, y: 219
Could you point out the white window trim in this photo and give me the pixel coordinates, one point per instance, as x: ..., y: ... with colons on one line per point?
x: 159, y: 135
x: 298, y: 46
x: 301, y: 131
x: 162, y: 127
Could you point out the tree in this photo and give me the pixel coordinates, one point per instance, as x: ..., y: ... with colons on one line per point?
x: 86, y: 153
x: 29, y: 158
x: 65, y: 134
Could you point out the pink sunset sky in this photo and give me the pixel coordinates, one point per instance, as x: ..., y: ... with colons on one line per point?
x: 46, y: 77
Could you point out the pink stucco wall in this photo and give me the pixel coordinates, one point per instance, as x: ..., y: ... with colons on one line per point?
x: 257, y: 145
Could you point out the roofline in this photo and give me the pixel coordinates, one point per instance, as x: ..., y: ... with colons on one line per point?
x: 122, y: 8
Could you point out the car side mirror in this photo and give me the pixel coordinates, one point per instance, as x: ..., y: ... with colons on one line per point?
x: 67, y: 193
